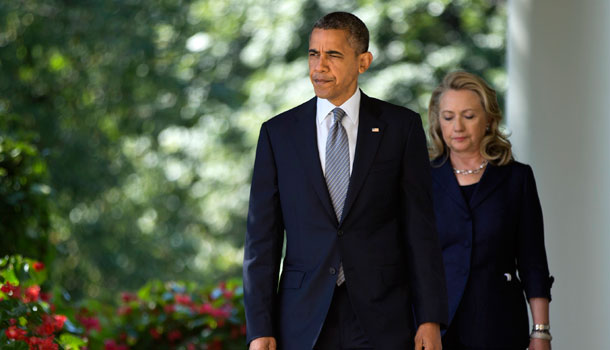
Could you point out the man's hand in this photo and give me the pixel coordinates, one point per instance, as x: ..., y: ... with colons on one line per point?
x: 263, y: 343
x: 428, y: 337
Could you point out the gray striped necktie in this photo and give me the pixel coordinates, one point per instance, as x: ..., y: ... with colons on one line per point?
x: 337, y: 169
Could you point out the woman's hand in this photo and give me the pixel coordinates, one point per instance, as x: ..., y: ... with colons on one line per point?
x: 539, y: 344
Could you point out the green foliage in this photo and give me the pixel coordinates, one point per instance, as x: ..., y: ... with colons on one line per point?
x: 147, y: 114
x: 24, y: 196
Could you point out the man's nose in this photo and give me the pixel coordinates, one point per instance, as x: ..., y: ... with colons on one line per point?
x: 321, y: 64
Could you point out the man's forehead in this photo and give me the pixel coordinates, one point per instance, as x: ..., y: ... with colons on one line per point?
x: 330, y: 39
x: 336, y: 36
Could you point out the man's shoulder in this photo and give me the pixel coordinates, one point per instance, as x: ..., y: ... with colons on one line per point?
x: 389, y: 109
x: 304, y: 108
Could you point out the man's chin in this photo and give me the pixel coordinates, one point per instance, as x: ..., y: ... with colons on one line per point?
x: 322, y: 93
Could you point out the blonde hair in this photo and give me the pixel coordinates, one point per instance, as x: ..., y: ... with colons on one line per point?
x: 495, y: 146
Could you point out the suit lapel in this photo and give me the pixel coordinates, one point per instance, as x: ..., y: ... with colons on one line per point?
x: 443, y: 175
x: 366, y: 148
x: 305, y: 137
x: 491, y: 179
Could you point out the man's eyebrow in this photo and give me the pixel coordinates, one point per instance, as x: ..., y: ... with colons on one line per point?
x: 334, y: 52
x: 329, y: 52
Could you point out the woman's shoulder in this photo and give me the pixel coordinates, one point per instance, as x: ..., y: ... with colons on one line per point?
x: 438, y: 162
x: 518, y: 166
x: 519, y: 170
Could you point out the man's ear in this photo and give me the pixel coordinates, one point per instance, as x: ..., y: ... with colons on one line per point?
x: 364, y: 61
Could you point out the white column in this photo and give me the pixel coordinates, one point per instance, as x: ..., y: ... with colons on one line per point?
x: 558, y: 109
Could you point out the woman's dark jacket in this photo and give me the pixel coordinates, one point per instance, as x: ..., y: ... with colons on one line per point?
x: 493, y: 251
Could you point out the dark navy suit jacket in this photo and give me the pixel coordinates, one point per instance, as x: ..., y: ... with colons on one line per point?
x: 499, y: 232
x: 386, y: 240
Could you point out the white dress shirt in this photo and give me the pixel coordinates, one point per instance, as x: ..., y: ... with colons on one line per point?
x: 324, y: 118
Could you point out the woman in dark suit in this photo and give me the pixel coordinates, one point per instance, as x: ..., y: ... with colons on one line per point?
x: 489, y: 221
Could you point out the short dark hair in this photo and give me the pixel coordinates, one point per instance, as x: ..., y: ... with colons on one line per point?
x: 358, y: 34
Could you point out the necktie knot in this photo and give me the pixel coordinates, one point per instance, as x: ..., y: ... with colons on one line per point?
x: 338, y: 114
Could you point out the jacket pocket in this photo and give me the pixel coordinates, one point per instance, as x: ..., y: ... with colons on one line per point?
x: 292, y: 279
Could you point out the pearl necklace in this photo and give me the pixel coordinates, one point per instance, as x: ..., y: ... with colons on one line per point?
x: 471, y: 171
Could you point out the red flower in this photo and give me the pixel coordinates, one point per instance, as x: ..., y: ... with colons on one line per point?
x: 127, y: 297
x: 183, y: 299
x: 154, y: 333
x: 110, y: 344
x: 234, y: 332
x: 190, y: 346
x: 46, y: 297
x: 42, y: 343
x: 46, y: 328
x: 169, y: 308
x: 38, y: 266
x: 59, y: 321
x: 216, y: 344
x: 15, y: 333
x: 89, y: 323
x: 31, y: 294
x: 221, y: 313
x: 51, y: 324
x: 6, y: 288
x: 228, y: 294
x: 124, y: 310
x: 174, y: 335
x: 11, y: 290
x: 206, y: 308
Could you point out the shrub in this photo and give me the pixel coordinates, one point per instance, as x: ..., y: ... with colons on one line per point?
x: 27, y: 318
x: 172, y: 315
x: 179, y: 315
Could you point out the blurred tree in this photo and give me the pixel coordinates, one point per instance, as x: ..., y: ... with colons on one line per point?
x: 24, y: 194
x: 148, y: 112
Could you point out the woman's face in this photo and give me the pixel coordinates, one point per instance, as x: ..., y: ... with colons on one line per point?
x: 463, y: 120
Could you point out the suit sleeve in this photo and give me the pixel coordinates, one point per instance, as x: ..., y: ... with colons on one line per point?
x: 264, y: 240
x: 531, y: 258
x: 426, y: 271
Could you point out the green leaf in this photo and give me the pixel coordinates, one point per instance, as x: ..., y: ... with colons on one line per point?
x: 71, y: 342
x: 9, y: 276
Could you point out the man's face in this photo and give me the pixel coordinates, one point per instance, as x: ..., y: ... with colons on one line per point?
x: 334, y: 65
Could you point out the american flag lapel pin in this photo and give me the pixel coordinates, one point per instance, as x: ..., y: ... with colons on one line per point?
x: 375, y: 129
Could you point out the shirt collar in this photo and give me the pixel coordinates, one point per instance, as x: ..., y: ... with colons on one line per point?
x: 351, y: 108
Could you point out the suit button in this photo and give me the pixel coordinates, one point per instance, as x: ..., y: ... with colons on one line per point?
x: 467, y: 244
x: 332, y: 271
x: 340, y: 233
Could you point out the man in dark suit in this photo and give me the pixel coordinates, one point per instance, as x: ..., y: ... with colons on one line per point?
x: 345, y: 178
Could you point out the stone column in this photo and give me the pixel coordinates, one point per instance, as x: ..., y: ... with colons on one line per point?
x: 558, y: 109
